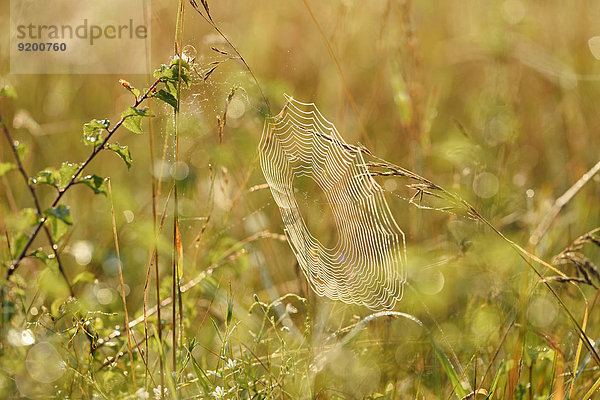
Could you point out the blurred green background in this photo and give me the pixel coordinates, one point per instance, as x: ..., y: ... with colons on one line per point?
x: 496, y: 101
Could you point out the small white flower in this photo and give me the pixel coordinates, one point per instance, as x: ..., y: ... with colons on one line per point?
x: 230, y: 364
x: 218, y: 393
x: 142, y: 394
x: 156, y: 391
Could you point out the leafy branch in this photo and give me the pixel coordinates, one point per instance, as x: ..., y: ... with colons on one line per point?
x: 15, y: 150
x: 96, y: 133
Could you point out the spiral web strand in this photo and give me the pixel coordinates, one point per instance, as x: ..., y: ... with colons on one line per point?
x: 366, y: 266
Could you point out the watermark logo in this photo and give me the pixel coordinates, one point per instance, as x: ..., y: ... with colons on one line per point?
x: 79, y: 37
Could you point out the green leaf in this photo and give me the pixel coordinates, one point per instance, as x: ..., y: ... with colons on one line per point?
x: 48, y: 259
x: 171, y: 87
x: 59, y: 218
x: 84, y: 276
x: 217, y: 329
x: 520, y: 392
x: 21, y: 226
x: 92, y: 132
x: 450, y: 372
x: 134, y: 124
x: 17, y: 244
x: 55, y: 306
x: 229, y: 310
x: 496, y: 378
x: 61, y: 212
x: 130, y: 88
x: 22, y: 149
x: 170, y: 76
x: 163, y: 73
x: 66, y: 172
x: 166, y: 97
x: 133, y: 119
x: 200, y: 374
x: 6, y: 167
x: 28, y: 217
x: 144, y: 112
x: 122, y: 151
x: 95, y: 182
x: 185, y: 70
x: 8, y: 91
x: 49, y: 176
x: 40, y: 255
x: 171, y: 73
x: 593, y: 389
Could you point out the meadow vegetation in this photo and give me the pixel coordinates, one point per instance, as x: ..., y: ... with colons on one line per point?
x: 118, y: 193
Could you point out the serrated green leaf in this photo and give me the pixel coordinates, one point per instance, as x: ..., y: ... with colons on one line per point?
x: 134, y: 124
x: 185, y: 70
x: 59, y: 219
x: 8, y: 91
x: 133, y: 119
x: 61, y: 212
x: 84, y: 276
x: 6, y: 167
x: 166, y: 97
x: 171, y: 87
x: 171, y: 73
x: 96, y: 183
x: 66, y: 172
x: 49, y: 176
x: 92, y: 132
x: 167, y: 73
x: 122, y: 151
x: 163, y: 73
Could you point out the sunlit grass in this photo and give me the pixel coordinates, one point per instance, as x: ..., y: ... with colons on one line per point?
x: 496, y: 102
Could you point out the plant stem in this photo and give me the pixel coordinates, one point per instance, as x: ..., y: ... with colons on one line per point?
x: 122, y: 282
x: 216, y: 28
x: 13, y: 267
x: 176, y: 256
x: 36, y: 201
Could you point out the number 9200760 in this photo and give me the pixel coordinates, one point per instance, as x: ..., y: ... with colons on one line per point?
x: 48, y: 46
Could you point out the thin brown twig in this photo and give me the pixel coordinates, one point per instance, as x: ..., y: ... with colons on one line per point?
x: 36, y: 201
x: 13, y: 267
x: 210, y: 21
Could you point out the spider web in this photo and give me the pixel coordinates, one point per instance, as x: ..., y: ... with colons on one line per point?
x: 366, y: 265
